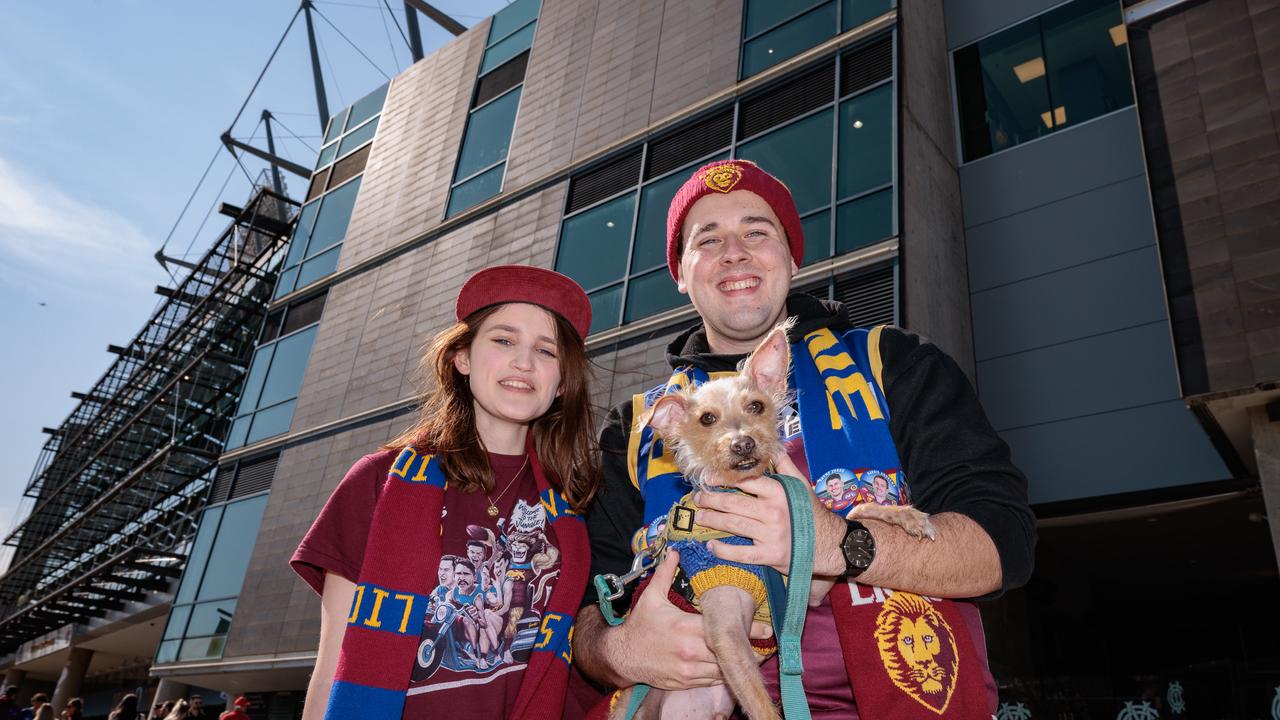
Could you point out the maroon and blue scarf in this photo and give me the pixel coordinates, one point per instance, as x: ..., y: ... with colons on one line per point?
x: 398, y: 572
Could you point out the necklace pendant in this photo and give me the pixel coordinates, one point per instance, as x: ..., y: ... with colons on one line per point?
x: 493, y: 510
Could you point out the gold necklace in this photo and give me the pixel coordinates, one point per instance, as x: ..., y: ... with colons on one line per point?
x: 493, y: 502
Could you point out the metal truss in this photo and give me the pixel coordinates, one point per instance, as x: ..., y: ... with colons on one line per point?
x: 119, y: 484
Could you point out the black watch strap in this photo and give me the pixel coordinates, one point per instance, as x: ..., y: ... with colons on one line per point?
x: 858, y: 547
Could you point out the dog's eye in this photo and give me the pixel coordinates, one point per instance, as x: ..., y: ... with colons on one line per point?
x: 755, y: 407
x: 708, y: 418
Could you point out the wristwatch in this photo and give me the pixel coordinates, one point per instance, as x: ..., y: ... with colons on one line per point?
x: 859, y: 549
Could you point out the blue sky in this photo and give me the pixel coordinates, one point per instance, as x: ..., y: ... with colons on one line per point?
x: 109, y: 113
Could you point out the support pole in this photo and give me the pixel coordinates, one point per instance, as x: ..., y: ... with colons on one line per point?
x: 322, y: 102
x: 1266, y: 447
x: 72, y: 677
x: 415, y: 33
x: 276, y: 182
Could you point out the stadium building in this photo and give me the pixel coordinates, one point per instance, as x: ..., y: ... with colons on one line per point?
x: 1077, y: 200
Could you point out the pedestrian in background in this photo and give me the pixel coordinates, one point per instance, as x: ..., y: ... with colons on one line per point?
x: 126, y: 709
x: 74, y: 710
x: 238, y: 711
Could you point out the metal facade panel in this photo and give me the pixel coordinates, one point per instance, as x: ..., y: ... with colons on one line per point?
x: 1094, y: 154
x: 1103, y: 296
x: 1082, y: 228
x: 1135, y: 449
x: 1084, y: 377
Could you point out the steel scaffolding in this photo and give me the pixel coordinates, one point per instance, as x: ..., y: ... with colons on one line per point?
x: 119, y: 484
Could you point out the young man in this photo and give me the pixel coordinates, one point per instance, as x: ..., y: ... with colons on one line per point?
x: 883, y: 400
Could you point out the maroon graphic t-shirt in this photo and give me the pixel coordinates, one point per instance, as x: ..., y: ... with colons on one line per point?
x: 494, y: 579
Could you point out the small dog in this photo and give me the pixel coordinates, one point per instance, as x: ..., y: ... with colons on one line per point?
x: 723, y: 432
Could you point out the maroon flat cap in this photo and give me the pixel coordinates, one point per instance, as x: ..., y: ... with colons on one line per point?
x: 526, y: 284
x: 726, y: 176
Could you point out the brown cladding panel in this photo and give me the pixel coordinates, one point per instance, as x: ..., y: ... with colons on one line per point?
x: 1208, y: 96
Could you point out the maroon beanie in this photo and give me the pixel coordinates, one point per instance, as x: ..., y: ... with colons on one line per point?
x: 526, y: 284
x: 725, y: 176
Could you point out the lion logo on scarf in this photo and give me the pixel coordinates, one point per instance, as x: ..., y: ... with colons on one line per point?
x: 918, y: 649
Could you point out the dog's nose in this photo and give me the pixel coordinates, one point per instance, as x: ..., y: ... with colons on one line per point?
x: 743, y: 446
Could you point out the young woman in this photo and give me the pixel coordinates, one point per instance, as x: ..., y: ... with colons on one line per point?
x: 450, y: 564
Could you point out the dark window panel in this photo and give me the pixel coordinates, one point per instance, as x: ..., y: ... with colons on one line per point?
x: 866, y: 142
x: 326, y: 154
x: 604, y: 181
x: 856, y: 12
x: 817, y: 237
x: 690, y: 143
x: 476, y: 190
x: 332, y: 220
x: 1086, y: 51
x: 594, y: 244
x: 358, y: 137
x: 789, y: 40
x: 488, y: 135
x: 287, y: 367
x: 800, y: 156
x: 504, y: 50
x: 650, y: 294
x: 319, y: 266
x: 336, y: 124
x: 304, y: 313
x: 271, y: 328
x: 317, y: 184
x: 350, y: 166
x: 511, y: 18
x: 271, y: 422
x: 502, y: 79
x: 606, y: 305
x: 199, y: 556
x: 787, y: 100
x: 866, y: 66
x: 762, y: 15
x: 651, y: 227
x: 864, y: 221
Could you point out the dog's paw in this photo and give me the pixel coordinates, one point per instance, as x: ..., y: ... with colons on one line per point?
x: 917, y: 524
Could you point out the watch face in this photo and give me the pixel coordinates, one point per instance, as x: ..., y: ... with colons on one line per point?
x: 859, y: 549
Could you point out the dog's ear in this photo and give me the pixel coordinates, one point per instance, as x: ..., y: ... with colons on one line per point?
x: 768, y: 365
x: 666, y: 414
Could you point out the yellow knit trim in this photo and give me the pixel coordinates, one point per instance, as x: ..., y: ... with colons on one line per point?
x: 873, y: 353
x: 730, y: 575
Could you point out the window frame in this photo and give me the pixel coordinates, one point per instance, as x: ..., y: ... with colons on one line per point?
x: 958, y: 130
x: 736, y: 142
x: 840, y: 29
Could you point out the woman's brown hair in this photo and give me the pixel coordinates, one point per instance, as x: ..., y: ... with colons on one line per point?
x: 564, y: 436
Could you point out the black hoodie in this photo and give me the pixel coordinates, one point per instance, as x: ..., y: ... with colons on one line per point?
x: 953, y: 459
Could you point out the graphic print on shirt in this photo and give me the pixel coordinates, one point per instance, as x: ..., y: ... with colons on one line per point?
x: 484, y: 613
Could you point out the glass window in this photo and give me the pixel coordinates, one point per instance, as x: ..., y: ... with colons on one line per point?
x: 319, y: 266
x: 239, y: 432
x: 594, y: 243
x: 488, y: 135
x: 302, y: 235
x: 256, y: 376
x: 817, y: 236
x: 799, y: 155
x: 358, y: 137
x: 326, y: 154
x: 336, y: 124
x: 764, y: 14
x: 199, y: 555
x: 167, y: 652
x: 846, y: 171
x: 177, y: 622
x: 1062, y: 68
x: 476, y: 190
x: 866, y: 142
x: 652, y: 293
x: 1085, y: 49
x: 856, y: 12
x: 511, y: 18
x: 366, y: 107
x: 271, y: 421
x: 606, y: 305
x: 334, y: 215
x: 230, y: 556
x: 201, y: 648
x: 287, y: 365
x: 789, y: 40
x: 503, y: 51
x: 864, y: 221
x: 651, y: 227
x: 211, y: 618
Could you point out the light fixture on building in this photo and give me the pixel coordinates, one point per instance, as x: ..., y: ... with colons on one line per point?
x: 609, y: 224
x: 857, y: 124
x: 1119, y: 35
x: 1029, y: 70
x: 1059, y: 117
x: 770, y: 51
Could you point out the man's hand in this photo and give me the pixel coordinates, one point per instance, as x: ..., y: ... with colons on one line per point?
x: 659, y: 644
x: 762, y: 516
